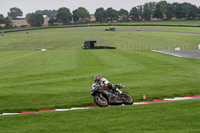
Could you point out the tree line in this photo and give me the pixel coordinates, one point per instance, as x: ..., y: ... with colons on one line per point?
x: 160, y: 10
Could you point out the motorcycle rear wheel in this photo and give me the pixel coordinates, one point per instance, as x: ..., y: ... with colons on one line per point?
x: 127, y: 99
x: 100, y: 100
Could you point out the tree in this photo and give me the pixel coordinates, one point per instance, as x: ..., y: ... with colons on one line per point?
x: 182, y: 10
x: 8, y: 23
x: 152, y: 7
x: 146, y: 13
x: 193, y: 12
x: 158, y: 13
x: 111, y: 14
x: 64, y: 16
x: 163, y: 6
x: 169, y: 12
x: 186, y: 9
x: 28, y: 15
x: 49, y: 13
x: 75, y: 16
x: 35, y: 19
x: 14, y: 13
x: 134, y: 14
x: 198, y: 10
x: 179, y: 13
x: 100, y: 15
x: 123, y: 14
x: 140, y: 10
x: 81, y: 14
x: 52, y: 21
x: 2, y: 19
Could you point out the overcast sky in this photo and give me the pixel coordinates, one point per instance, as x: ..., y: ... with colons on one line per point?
x: 29, y: 6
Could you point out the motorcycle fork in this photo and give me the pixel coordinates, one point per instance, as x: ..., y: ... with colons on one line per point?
x: 100, y: 95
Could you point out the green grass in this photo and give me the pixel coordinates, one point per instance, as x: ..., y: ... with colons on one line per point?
x: 179, y: 22
x: 55, y: 79
x: 73, y: 38
x: 173, y: 117
x: 62, y: 76
x: 164, y: 28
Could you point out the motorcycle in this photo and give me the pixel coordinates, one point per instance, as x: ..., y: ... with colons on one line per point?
x: 103, y: 96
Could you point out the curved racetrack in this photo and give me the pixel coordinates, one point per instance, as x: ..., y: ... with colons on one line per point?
x: 182, y: 53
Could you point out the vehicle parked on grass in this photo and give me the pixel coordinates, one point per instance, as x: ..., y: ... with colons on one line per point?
x: 92, y: 44
x: 103, y: 96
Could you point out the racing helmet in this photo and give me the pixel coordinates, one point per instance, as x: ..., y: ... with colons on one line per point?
x: 97, y: 78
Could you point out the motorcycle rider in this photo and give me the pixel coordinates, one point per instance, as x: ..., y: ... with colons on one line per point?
x: 102, y: 82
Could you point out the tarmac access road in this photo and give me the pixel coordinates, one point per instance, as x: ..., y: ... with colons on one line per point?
x: 185, y: 32
x: 182, y: 53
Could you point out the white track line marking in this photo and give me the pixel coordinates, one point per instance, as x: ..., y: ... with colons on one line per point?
x: 135, y: 103
x: 63, y: 109
x: 167, y: 53
x: 138, y: 103
x: 10, y: 113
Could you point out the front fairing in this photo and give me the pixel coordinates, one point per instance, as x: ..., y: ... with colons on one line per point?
x: 94, y: 90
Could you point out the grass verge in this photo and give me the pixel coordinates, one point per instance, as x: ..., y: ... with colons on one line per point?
x: 173, y: 117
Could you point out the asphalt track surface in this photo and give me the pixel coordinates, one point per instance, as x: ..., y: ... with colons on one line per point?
x: 182, y: 53
x: 185, y: 32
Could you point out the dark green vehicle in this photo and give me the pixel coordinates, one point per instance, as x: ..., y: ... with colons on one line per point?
x: 111, y: 29
x: 92, y: 44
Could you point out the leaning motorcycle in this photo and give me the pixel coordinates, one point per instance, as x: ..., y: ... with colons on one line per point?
x: 103, y: 96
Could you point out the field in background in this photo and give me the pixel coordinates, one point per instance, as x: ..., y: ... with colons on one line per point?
x: 168, y: 24
x: 179, y: 23
x: 73, y: 38
x: 62, y: 76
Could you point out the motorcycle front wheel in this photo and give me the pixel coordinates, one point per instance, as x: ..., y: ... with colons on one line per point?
x: 127, y: 99
x: 100, y: 100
